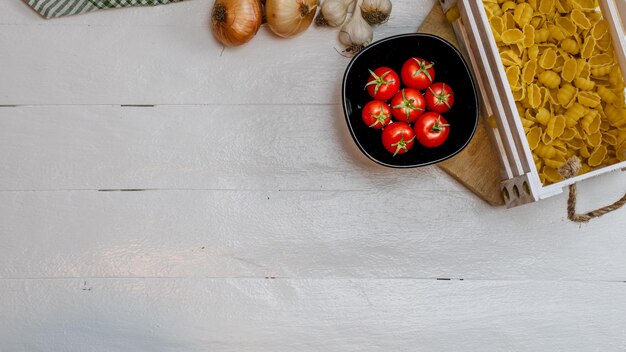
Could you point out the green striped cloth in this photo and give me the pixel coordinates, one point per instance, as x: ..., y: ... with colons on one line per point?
x: 61, y: 8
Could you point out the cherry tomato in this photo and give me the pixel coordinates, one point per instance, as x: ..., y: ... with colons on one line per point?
x: 417, y: 73
x: 407, y: 105
x: 431, y: 129
x: 439, y: 98
x: 398, y: 138
x: 376, y: 114
x: 383, y: 83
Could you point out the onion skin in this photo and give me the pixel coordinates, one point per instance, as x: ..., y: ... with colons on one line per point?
x: 235, y: 22
x: 287, y: 18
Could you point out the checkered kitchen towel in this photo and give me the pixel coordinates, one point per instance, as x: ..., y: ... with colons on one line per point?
x: 61, y: 8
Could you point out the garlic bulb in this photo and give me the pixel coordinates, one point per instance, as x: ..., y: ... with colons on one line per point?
x: 235, y: 22
x: 287, y: 18
x: 333, y: 13
x: 376, y: 11
x: 356, y: 33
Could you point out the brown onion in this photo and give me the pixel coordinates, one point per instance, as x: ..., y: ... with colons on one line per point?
x: 235, y: 22
x: 287, y: 18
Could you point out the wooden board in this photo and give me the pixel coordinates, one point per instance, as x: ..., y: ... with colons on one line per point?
x: 285, y: 315
x: 478, y: 166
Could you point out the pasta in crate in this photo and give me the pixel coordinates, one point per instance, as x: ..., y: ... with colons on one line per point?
x: 565, y: 79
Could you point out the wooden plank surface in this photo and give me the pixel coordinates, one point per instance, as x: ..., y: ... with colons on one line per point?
x: 173, y: 61
x: 311, y: 315
x: 258, y: 147
x: 154, y: 228
x: 301, y: 234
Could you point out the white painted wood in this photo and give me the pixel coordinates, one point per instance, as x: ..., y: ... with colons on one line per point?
x: 613, y: 11
x: 178, y: 62
x: 184, y: 59
x: 191, y: 147
x: 621, y: 7
x: 311, y: 315
x: 302, y: 234
x: 256, y: 176
x: 494, y: 64
x: 503, y: 130
x: 485, y: 104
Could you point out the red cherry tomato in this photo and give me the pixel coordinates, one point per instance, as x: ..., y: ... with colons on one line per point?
x: 383, y: 83
x: 417, y: 73
x: 376, y: 114
x: 398, y: 138
x: 439, y: 98
x: 431, y: 129
x: 407, y: 105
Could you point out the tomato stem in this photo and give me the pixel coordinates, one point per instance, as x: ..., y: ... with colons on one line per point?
x: 380, y: 118
x: 438, y: 126
x: 378, y: 80
x: 441, y: 98
x: 402, y: 144
x: 407, y: 105
x: 423, y: 69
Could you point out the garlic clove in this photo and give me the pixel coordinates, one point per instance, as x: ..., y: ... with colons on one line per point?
x: 332, y: 13
x: 356, y: 33
x: 376, y: 11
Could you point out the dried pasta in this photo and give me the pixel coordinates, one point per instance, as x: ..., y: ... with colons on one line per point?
x: 584, y: 84
x: 568, y: 88
x: 570, y: 67
x: 566, y: 94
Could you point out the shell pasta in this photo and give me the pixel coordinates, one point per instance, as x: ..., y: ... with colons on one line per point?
x: 566, y: 82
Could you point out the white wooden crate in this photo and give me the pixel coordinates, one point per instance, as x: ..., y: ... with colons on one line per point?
x: 520, y: 178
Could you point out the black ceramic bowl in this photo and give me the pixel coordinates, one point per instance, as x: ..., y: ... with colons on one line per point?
x: 450, y: 68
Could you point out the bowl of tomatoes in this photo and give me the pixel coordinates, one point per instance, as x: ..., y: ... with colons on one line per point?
x: 409, y: 100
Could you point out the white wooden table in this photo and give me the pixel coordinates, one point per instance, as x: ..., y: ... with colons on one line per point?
x: 234, y: 213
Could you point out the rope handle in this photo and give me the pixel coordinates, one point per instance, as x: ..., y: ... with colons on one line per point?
x: 570, y: 169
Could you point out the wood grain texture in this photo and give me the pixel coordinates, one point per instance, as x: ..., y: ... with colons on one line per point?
x: 244, y: 170
x: 174, y: 61
x: 93, y: 315
x: 301, y: 234
x: 477, y: 167
x: 261, y: 147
